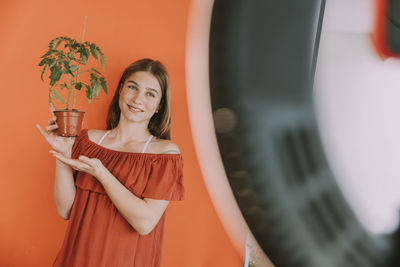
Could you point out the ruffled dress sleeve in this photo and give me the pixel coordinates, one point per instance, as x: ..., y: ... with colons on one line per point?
x: 165, y: 178
x: 77, y: 148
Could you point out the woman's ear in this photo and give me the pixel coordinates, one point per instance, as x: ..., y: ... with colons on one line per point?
x: 158, y: 108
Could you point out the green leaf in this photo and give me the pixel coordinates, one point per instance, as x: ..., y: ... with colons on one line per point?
x: 88, y: 93
x: 74, y: 68
x: 75, y: 45
x: 93, y: 50
x: 96, y: 89
x: 78, y: 86
x: 93, y: 77
x: 58, y: 43
x: 44, y: 61
x: 96, y: 71
x: 67, y: 68
x: 84, y: 58
x: 58, y: 96
x: 41, y: 75
x: 61, y: 56
x: 55, y: 74
x: 103, y: 84
x: 94, y: 83
x: 70, y: 55
x: 52, y: 43
x: 81, y: 53
x: 85, y: 54
x: 52, y: 62
x: 47, y: 53
x: 102, y: 60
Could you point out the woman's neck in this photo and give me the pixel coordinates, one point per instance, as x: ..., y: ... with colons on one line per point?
x: 136, y: 132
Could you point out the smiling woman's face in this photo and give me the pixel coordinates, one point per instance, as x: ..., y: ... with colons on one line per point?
x: 140, y: 97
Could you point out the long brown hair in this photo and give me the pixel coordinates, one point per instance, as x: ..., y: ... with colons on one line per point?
x: 160, y: 123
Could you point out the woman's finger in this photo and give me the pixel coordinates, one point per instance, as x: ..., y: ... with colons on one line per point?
x: 51, y: 127
x: 43, y: 132
x: 74, y: 163
x: 52, y: 120
x: 65, y: 160
x: 86, y: 160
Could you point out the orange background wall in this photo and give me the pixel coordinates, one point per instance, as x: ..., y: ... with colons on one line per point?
x: 30, y: 230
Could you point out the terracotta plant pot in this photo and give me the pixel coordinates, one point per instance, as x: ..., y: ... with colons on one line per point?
x: 69, y: 122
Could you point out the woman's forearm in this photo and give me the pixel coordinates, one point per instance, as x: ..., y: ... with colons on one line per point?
x: 141, y: 214
x: 64, y: 189
x: 134, y: 209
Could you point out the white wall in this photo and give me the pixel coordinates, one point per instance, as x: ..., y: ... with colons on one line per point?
x: 357, y: 97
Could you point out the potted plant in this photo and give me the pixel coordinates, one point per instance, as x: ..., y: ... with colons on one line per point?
x: 64, y: 60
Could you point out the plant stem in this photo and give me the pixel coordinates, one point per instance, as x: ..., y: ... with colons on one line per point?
x: 50, y: 95
x: 76, y: 81
x: 69, y: 90
x: 84, y: 29
x: 79, y: 65
x: 73, y: 102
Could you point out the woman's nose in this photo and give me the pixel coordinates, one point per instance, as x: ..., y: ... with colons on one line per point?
x: 137, y: 98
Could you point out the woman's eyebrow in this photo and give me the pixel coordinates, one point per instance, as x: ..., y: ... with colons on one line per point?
x: 151, y: 89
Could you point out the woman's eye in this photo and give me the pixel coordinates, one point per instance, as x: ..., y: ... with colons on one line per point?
x: 151, y: 94
x: 132, y: 87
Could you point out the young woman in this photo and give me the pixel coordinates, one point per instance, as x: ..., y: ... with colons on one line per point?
x: 114, y: 185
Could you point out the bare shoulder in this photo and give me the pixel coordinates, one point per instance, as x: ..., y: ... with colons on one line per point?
x: 168, y: 147
x: 95, y: 134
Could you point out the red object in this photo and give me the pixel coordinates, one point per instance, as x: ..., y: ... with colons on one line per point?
x: 69, y: 122
x: 380, y: 30
x: 97, y: 234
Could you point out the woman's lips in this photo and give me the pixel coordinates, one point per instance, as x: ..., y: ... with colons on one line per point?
x: 132, y: 108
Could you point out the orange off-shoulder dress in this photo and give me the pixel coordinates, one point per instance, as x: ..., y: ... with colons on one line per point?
x: 97, y: 234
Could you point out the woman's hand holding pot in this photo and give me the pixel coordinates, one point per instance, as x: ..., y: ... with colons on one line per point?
x: 59, y: 144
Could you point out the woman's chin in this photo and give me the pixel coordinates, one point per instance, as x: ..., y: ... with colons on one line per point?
x: 135, y: 118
